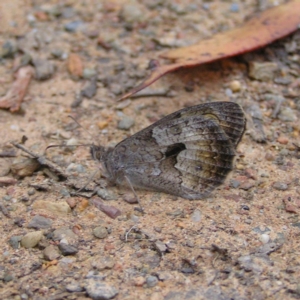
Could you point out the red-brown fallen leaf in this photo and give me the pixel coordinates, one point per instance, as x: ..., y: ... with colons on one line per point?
x: 17, y: 91
x: 260, y: 31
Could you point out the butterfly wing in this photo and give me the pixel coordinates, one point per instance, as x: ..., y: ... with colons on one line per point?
x: 187, y: 153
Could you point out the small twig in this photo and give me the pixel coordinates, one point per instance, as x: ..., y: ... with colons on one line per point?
x: 43, y: 161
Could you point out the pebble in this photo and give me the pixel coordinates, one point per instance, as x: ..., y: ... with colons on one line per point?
x: 67, y: 249
x: 39, y: 222
x: 116, y: 89
x: 64, y: 233
x: 74, y: 287
x: 234, y: 7
x: 287, y: 114
x: 280, y: 186
x: 235, y: 183
x: 31, y: 239
x: 160, y: 246
x: 64, y: 193
x: 126, y: 123
x: 99, y: 290
x: 283, y: 140
x: 264, y: 238
x: 77, y: 168
x: 4, y: 167
x: 9, y: 48
x: 104, y: 263
x: 139, y: 281
x: 151, y: 281
x: 263, y: 71
x: 24, y: 167
x: 73, y: 26
x: 196, y: 215
x: 31, y: 192
x: 235, y: 86
x: 89, y: 73
x: 55, y: 207
x: 100, y: 232
x: 106, y: 194
x: 90, y: 89
x: 51, y: 253
x: 132, y: 12
x: 44, y: 69
x: 14, y: 241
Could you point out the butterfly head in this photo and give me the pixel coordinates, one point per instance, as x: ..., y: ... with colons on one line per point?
x: 98, y: 153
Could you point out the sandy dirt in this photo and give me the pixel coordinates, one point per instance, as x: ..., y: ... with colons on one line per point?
x: 242, y: 242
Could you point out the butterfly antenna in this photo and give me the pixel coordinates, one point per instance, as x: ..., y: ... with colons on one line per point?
x: 93, y: 138
x: 58, y: 146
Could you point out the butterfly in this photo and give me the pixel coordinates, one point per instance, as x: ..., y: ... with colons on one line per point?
x: 187, y: 153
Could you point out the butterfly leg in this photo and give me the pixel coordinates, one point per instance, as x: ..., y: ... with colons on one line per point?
x: 135, y: 194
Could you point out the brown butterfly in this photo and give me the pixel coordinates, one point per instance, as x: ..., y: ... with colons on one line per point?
x: 187, y: 153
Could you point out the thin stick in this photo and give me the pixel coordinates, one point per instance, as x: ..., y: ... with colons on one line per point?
x: 43, y: 161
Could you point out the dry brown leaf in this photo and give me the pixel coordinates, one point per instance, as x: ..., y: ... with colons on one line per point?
x: 15, y: 95
x: 260, y: 31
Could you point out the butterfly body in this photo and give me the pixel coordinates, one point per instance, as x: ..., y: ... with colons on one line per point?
x: 187, y: 153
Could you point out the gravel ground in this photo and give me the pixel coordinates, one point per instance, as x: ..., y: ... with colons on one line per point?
x: 242, y: 242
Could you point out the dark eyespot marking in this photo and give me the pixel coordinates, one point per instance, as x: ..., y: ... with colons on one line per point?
x: 175, y: 149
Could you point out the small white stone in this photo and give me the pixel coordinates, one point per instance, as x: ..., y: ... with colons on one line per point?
x: 264, y: 238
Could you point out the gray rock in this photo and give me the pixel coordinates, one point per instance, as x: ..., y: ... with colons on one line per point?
x: 73, y: 26
x: 234, y: 7
x: 9, y: 48
x: 196, y: 215
x: 4, y: 167
x: 67, y: 249
x: 89, y: 73
x: 31, y: 239
x: 74, y: 287
x: 64, y: 233
x: 39, y: 222
x: 132, y: 12
x: 126, y: 123
x: 151, y: 281
x: 287, y: 114
x: 103, y: 263
x: 44, y: 69
x: 106, y: 194
x: 99, y: 290
x: 263, y: 71
x: 14, y: 241
x: 280, y: 186
x: 51, y: 252
x: 160, y: 246
x: 100, y: 232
